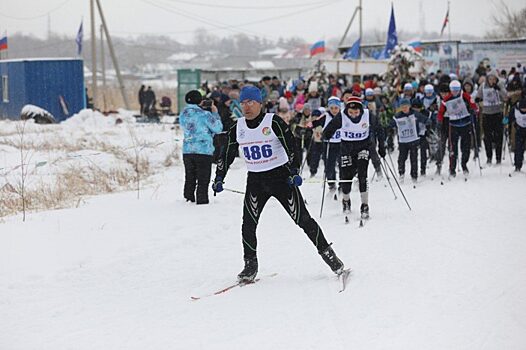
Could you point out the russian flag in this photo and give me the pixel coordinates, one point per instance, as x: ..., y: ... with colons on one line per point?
x: 417, y: 45
x: 317, y: 47
x: 3, y: 43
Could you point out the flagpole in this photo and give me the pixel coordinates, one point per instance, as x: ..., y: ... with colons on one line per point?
x: 449, y: 21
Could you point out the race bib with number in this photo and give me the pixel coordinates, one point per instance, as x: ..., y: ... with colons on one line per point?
x: 407, y: 131
x: 260, y: 146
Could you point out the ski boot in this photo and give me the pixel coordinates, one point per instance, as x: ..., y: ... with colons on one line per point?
x: 364, y: 211
x: 401, y: 178
x: 249, y: 272
x: 330, y: 258
x: 346, y: 203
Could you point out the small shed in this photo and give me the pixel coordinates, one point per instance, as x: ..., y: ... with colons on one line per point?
x: 54, y: 84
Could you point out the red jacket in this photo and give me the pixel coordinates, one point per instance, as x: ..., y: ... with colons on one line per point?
x: 467, y: 99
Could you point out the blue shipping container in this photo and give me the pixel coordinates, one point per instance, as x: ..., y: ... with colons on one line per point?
x: 56, y: 85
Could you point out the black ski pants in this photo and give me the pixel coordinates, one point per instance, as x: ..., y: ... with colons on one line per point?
x: 258, y: 192
x: 330, y: 162
x: 444, y: 137
x: 462, y: 133
x: 493, y: 131
x: 352, y: 164
x: 424, y: 148
x: 197, y: 169
x: 408, y: 149
x: 315, y: 153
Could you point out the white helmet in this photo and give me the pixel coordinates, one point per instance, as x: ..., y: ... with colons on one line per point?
x: 429, y: 89
x: 369, y: 92
x: 455, y: 85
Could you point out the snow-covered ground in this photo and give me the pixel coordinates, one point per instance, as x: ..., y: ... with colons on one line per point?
x: 118, y: 272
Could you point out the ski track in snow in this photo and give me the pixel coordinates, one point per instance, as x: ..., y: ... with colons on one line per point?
x: 118, y: 273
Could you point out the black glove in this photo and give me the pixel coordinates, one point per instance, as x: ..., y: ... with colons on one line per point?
x: 381, y: 152
x: 497, y: 87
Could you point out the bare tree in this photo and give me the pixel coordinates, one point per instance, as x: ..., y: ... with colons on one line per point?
x: 508, y: 23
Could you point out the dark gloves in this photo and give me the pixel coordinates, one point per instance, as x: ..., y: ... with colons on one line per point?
x: 497, y: 87
x: 294, y: 180
x: 217, y: 185
x: 381, y: 151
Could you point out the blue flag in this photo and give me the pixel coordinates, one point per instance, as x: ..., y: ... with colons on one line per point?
x: 392, y: 38
x: 78, y: 39
x: 354, y: 52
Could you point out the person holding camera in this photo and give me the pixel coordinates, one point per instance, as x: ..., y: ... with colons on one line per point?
x: 199, y: 126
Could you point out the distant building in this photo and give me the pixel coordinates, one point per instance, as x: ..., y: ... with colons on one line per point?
x: 56, y: 85
x: 460, y: 56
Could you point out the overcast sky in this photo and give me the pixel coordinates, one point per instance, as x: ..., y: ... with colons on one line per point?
x: 309, y: 19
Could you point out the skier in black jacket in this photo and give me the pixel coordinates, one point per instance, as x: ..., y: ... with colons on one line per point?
x: 268, y: 147
x: 356, y: 126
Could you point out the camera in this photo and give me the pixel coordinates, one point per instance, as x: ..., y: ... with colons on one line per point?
x: 206, y: 104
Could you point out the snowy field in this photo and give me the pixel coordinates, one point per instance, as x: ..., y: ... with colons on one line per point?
x: 118, y: 272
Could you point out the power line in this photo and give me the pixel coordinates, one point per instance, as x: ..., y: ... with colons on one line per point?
x: 37, y: 16
x: 248, y: 7
x: 223, y: 26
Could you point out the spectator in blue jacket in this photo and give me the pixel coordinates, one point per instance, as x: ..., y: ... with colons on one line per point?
x: 199, y: 128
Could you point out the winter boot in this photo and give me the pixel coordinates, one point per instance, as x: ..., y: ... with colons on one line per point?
x: 330, y: 258
x: 249, y: 272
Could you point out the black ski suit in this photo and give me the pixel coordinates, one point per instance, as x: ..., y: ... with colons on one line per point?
x: 355, y: 154
x: 272, y: 183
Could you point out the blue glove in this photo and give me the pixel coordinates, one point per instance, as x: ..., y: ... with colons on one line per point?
x: 217, y: 185
x: 505, y: 121
x: 294, y: 179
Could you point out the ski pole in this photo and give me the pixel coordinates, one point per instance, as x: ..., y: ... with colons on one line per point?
x: 402, y: 192
x: 387, y: 177
x: 305, y: 160
x: 235, y: 191
x: 324, y: 180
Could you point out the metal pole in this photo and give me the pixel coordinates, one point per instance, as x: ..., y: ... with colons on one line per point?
x: 346, y: 31
x: 113, y: 57
x: 103, y: 67
x: 449, y: 21
x: 93, y: 56
x: 361, y: 28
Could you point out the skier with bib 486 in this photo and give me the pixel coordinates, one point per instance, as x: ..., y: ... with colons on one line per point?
x: 268, y: 148
x: 355, y: 125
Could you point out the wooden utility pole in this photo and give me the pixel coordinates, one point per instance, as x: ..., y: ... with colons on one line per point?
x: 93, y: 56
x: 103, y: 67
x: 113, y: 57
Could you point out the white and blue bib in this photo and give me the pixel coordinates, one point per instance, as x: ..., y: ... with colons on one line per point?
x: 355, y: 131
x: 260, y: 146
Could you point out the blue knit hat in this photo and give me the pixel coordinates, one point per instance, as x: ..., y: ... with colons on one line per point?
x: 250, y: 93
x: 334, y: 101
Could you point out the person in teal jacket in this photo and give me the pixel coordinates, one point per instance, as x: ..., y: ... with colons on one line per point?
x: 199, y: 128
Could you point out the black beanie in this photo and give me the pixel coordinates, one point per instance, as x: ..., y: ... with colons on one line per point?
x: 193, y: 97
